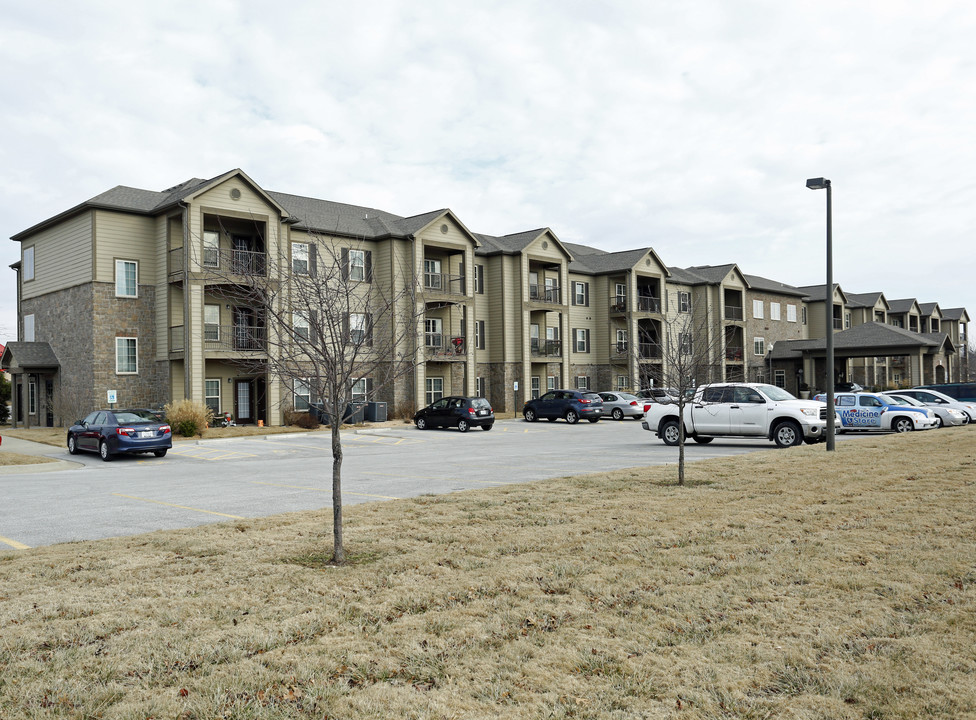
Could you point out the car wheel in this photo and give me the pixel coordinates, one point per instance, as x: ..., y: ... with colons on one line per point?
x: 670, y: 432
x: 938, y: 422
x: 703, y: 440
x: 103, y: 451
x: 618, y: 414
x: 902, y: 424
x: 72, y: 446
x: 159, y: 453
x: 787, y: 434
x: 529, y: 415
x: 487, y: 427
x: 421, y: 423
x: 463, y: 425
x: 965, y: 419
x: 572, y: 417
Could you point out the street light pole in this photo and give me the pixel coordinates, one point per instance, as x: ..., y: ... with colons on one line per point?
x: 824, y: 184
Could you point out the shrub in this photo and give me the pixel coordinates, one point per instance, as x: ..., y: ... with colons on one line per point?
x: 188, y: 418
x: 305, y: 421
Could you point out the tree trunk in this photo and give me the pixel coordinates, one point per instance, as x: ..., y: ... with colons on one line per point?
x: 681, y: 443
x: 338, y: 551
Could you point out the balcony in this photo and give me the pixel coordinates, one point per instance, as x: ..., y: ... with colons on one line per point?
x: 648, y: 304
x: 733, y: 312
x: 733, y: 353
x: 618, y: 303
x: 649, y: 350
x: 446, y: 283
x: 546, y: 348
x: 439, y: 346
x: 224, y: 338
x: 230, y: 262
x: 548, y: 294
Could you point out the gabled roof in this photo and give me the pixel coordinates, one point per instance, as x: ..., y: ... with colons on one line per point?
x: 705, y: 274
x: 515, y: 243
x: 817, y: 293
x: 866, y: 300
x: 872, y: 337
x: 958, y: 314
x: 930, y: 309
x: 613, y: 262
x: 902, y: 305
x: 23, y: 356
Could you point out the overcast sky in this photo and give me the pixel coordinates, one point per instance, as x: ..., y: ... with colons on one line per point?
x: 690, y: 127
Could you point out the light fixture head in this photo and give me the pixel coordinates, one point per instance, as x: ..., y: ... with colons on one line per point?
x: 818, y: 183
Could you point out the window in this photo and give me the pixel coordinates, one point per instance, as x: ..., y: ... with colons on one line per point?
x: 299, y: 258
x: 622, y: 383
x: 360, y: 390
x: 32, y: 396
x: 536, y: 386
x: 847, y: 321
x: 581, y: 340
x: 303, y: 394
x: 684, y: 302
x: 550, y: 382
x: 432, y: 274
x: 582, y: 382
x: 803, y: 312
x: 211, y: 393
x: 479, y: 279
x: 126, y: 362
x: 621, y: 346
x: 435, y: 389
x: 433, y: 337
x: 774, y: 310
x: 479, y: 386
x: 360, y: 329
x: 757, y: 309
x: 479, y: 334
x: 759, y: 346
x: 126, y: 278
x: 357, y: 265
x: 684, y: 343
x: 211, y: 249
x: 779, y: 378
x: 29, y: 328
x: 791, y: 313
x: 581, y: 293
x: 301, y: 327
x: 28, y: 264
x: 211, y: 323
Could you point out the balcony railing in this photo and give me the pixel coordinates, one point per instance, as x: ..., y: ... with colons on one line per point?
x: 733, y: 353
x: 228, y: 338
x: 618, y: 303
x: 648, y: 303
x: 649, y: 350
x: 439, y: 345
x: 233, y: 262
x: 444, y: 283
x: 838, y: 324
x: 545, y: 294
x: 733, y: 312
x: 546, y: 348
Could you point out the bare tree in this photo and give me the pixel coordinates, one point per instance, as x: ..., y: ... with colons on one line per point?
x: 691, y: 352
x: 331, y: 328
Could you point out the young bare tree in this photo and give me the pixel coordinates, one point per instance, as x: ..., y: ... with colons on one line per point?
x: 331, y: 328
x: 692, y: 349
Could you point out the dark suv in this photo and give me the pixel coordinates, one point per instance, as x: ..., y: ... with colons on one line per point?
x: 454, y: 411
x: 569, y: 404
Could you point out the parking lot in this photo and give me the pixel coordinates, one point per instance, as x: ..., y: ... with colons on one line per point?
x: 216, y: 481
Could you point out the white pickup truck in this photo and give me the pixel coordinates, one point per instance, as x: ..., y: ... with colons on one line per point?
x: 741, y: 410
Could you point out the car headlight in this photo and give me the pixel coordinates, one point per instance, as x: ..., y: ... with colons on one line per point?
x: 953, y: 411
x: 812, y: 412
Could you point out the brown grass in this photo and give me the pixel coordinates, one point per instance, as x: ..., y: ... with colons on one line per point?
x: 12, y: 458
x: 782, y: 584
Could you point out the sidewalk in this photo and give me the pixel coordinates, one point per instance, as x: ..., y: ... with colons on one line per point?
x: 26, y: 447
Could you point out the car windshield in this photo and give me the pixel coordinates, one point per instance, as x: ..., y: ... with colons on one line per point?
x: 890, y: 400
x: 480, y: 403
x: 774, y: 393
x: 627, y: 396
x: 593, y: 396
x: 128, y: 416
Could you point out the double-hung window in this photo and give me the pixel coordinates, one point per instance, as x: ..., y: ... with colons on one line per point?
x: 757, y: 309
x: 479, y: 334
x: 581, y: 338
x: 791, y: 313
x: 300, y: 326
x: 126, y: 356
x: 435, y: 389
x: 126, y: 278
x: 581, y: 293
x: 774, y: 311
x: 211, y: 249
x: 357, y: 265
x: 359, y: 328
x: 359, y: 391
x: 759, y: 346
x: 211, y: 393
x: 479, y: 279
x: 684, y: 302
x: 28, y: 264
x: 303, y: 394
x: 211, y: 323
x: 299, y: 258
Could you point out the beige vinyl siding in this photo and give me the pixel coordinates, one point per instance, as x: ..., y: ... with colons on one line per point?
x: 121, y: 236
x: 62, y: 256
x: 160, y: 280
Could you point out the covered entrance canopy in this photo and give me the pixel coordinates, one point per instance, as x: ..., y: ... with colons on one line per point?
x: 33, y: 367
x: 927, y: 356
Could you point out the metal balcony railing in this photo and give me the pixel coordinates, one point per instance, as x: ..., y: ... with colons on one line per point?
x: 546, y: 348
x: 233, y: 262
x: 618, y: 303
x: 234, y: 338
x: 838, y: 324
x: 733, y: 312
x: 733, y: 353
x: 444, y: 283
x: 439, y: 345
x: 649, y: 350
x: 648, y: 303
x: 545, y: 294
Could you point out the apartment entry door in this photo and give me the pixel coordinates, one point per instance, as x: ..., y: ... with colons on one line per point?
x: 249, y: 401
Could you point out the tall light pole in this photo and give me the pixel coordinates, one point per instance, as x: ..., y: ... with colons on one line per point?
x: 824, y: 184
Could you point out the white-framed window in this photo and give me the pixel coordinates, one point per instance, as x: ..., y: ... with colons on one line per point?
x: 32, y: 396
x: 779, y: 378
x: 791, y: 313
x: 211, y: 394
x: 27, y: 266
x: 684, y: 302
x: 479, y: 281
x: 760, y: 375
x: 623, y: 383
x: 847, y: 321
x: 757, y: 309
x: 359, y: 392
x: 685, y: 346
x: 582, y: 382
x: 759, y: 346
x: 299, y: 258
x: 211, y: 249
x: 433, y: 335
x: 479, y: 386
x: 581, y: 340
x: 479, y: 334
x: 432, y: 274
x: 126, y: 355
x: 211, y: 323
x: 303, y: 394
x: 357, y: 265
x: 621, y: 346
x: 774, y: 310
x: 29, y: 328
x: 302, y: 328
x: 581, y: 293
x: 435, y: 389
x: 550, y: 382
x: 126, y: 278
x: 536, y: 385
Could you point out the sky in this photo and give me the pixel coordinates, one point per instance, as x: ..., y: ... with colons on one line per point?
x: 688, y: 127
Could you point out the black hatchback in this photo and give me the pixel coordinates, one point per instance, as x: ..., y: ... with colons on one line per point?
x: 569, y: 404
x: 460, y: 412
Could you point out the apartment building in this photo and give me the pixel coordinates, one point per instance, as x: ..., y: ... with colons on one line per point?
x: 141, y: 294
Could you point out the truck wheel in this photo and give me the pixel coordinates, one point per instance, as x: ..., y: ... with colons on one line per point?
x: 787, y: 434
x: 703, y: 440
x: 670, y: 432
x: 902, y: 424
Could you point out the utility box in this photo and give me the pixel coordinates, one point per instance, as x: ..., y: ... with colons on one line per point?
x: 376, y: 412
x: 355, y: 413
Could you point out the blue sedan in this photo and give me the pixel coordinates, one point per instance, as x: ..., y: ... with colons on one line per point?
x: 116, y: 432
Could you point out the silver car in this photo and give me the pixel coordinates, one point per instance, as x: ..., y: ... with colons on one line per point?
x: 934, y: 399
x: 947, y: 416
x: 620, y: 405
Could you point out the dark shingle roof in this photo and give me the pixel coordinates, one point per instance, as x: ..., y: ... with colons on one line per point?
x: 873, y: 336
x: 762, y: 284
x: 863, y: 300
x: 28, y: 356
x: 901, y: 305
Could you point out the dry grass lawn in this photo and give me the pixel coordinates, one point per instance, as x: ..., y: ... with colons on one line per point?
x: 12, y: 458
x: 782, y: 584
